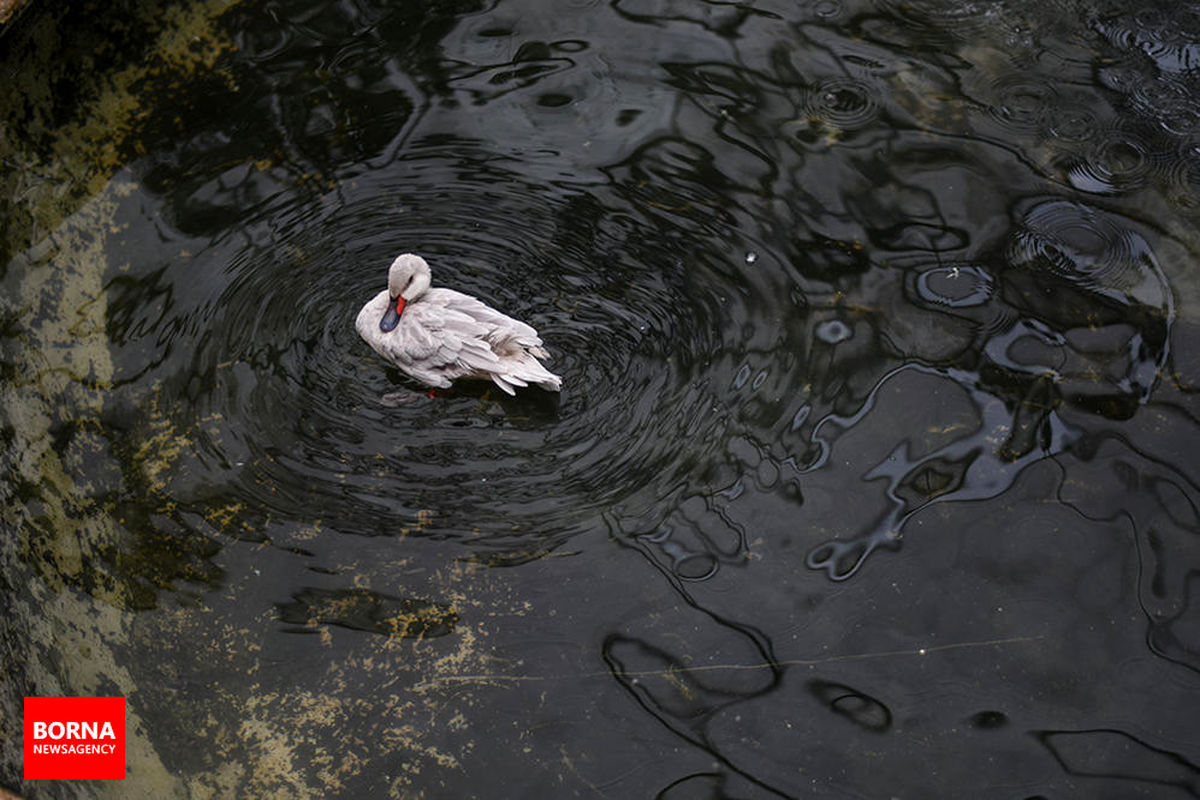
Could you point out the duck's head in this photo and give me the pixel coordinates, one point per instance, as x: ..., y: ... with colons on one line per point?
x: 408, y: 278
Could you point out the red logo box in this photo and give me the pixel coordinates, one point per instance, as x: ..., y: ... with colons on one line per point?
x: 74, y: 738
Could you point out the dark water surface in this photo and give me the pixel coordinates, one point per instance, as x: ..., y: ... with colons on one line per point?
x: 875, y: 469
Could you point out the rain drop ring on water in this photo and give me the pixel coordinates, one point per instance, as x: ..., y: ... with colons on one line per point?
x: 1022, y: 103
x: 844, y: 103
x: 955, y: 286
x: 827, y: 9
x: 1072, y: 122
x: 1083, y: 245
x: 1184, y: 178
x: 1116, y: 162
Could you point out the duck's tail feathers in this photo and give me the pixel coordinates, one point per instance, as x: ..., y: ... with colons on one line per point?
x: 524, y: 371
x: 504, y: 382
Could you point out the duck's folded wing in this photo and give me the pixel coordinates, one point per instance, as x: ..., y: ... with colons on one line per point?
x: 437, y: 348
x: 461, y: 344
x: 498, y: 328
x: 409, y: 345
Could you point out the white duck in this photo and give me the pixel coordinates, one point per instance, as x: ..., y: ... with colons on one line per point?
x: 439, y: 335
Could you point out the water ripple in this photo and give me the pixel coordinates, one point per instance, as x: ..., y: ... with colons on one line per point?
x: 1183, y: 178
x: 1022, y: 103
x: 1116, y: 161
x: 1166, y: 36
x: 843, y: 104
x: 1078, y: 316
x: 1072, y: 121
x: 955, y: 286
x: 288, y: 400
x: 1092, y: 250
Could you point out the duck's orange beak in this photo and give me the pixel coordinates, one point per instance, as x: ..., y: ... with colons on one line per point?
x: 391, y: 317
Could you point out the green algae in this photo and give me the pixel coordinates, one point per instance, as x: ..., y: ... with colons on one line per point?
x: 67, y: 614
x: 61, y: 153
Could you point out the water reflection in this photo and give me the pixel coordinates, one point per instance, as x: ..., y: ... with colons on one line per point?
x: 822, y: 280
x: 1080, y: 316
x: 1117, y: 755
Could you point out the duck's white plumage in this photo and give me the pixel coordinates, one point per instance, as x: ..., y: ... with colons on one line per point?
x: 442, y: 335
